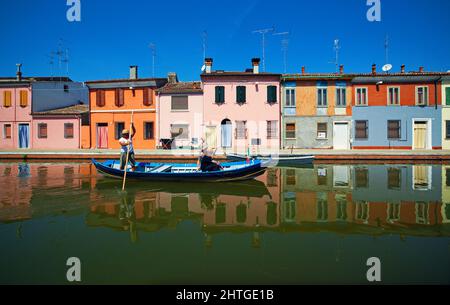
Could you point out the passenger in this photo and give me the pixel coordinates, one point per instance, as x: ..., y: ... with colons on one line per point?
x: 126, y: 142
x: 206, y: 162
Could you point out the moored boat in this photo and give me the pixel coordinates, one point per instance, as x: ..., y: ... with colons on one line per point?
x: 232, y: 171
x: 274, y: 160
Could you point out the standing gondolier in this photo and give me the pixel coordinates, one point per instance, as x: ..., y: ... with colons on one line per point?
x: 126, y: 141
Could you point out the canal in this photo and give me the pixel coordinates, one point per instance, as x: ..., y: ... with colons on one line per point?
x: 316, y: 225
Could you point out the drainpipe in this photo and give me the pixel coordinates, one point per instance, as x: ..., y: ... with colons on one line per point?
x: 435, y: 92
x: 79, y: 132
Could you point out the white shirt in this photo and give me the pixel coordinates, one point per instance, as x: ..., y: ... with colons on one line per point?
x: 124, y: 142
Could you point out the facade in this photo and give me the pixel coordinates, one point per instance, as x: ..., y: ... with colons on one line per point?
x: 445, y: 112
x: 241, y: 109
x: 113, y: 102
x: 397, y: 111
x: 316, y: 110
x: 63, y: 128
x: 21, y: 96
x: 180, y: 108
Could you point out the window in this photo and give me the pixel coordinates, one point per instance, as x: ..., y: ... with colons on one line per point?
x: 272, y: 129
x: 68, y: 131
x: 362, y: 210
x: 66, y: 88
x: 393, y: 212
x: 322, y: 130
x: 321, y: 176
x: 272, y: 94
x: 447, y: 96
x: 7, y: 99
x: 180, y: 131
x: 394, y: 177
x: 23, y: 98
x: 341, y: 97
x: 447, y: 130
x: 180, y: 103
x: 7, y: 131
x: 361, y: 177
x: 447, y: 177
x: 422, y: 96
x: 290, y: 131
x: 322, y: 207
x: 120, y: 99
x: 361, y: 130
x: 119, y: 127
x: 148, y: 131
x: 100, y: 98
x: 241, y: 130
x: 422, y: 177
x: 290, y: 97
x: 322, y: 97
x: 241, y: 94
x: 147, y: 97
x: 291, y: 179
x: 393, y: 130
x: 272, y: 178
x: 220, y: 94
x: 42, y: 131
x: 361, y: 97
x: 393, y: 96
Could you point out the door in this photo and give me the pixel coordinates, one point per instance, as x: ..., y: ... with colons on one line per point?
x: 420, y: 134
x: 226, y: 131
x: 24, y: 135
x: 102, y: 136
x: 211, y: 140
x: 341, y: 135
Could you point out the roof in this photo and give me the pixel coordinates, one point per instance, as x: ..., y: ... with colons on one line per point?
x: 397, y: 78
x: 126, y: 83
x: 409, y: 77
x: 26, y: 81
x: 316, y: 76
x: 182, y: 87
x: 237, y: 73
x: 71, y: 110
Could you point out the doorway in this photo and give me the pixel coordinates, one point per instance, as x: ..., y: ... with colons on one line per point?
x: 211, y: 140
x: 341, y: 135
x: 102, y: 135
x: 24, y: 135
x: 226, y: 131
x: 421, y: 135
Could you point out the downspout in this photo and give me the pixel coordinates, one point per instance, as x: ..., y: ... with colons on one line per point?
x: 79, y: 132
x: 435, y: 92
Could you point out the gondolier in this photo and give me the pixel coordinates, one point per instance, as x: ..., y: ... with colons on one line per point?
x: 126, y: 142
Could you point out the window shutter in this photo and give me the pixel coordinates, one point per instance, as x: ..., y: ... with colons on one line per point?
x: 148, y: 97
x: 7, y: 99
x: 447, y: 96
x: 23, y: 98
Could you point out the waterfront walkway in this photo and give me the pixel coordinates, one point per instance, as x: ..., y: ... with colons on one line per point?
x: 320, y: 154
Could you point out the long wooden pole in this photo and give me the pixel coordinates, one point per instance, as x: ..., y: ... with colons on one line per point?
x: 128, y: 153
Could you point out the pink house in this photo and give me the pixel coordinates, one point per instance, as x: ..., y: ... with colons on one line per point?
x: 180, y: 113
x: 241, y: 109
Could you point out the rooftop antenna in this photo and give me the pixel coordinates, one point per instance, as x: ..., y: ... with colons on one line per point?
x: 66, y: 61
x: 263, y: 33
x: 152, y: 47
x: 336, y: 47
x: 386, y: 49
x: 205, y: 43
x: 51, y: 62
x: 284, y: 47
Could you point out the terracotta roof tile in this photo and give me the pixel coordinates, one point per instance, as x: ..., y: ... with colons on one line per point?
x: 182, y: 87
x: 71, y: 110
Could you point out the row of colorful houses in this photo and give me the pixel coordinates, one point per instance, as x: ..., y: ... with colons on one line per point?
x: 231, y: 110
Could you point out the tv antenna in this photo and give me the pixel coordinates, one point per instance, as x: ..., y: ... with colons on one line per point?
x: 205, y: 43
x: 66, y: 60
x: 337, y: 47
x: 386, y: 49
x: 284, y: 47
x: 263, y: 33
x: 51, y: 62
x: 152, y: 47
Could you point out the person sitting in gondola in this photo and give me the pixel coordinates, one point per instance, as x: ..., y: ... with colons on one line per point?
x: 206, y: 162
x: 126, y: 142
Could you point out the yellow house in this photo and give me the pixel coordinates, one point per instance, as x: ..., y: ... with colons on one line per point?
x: 445, y: 210
x: 446, y: 112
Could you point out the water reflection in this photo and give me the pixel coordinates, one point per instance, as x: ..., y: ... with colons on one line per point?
x: 345, y: 199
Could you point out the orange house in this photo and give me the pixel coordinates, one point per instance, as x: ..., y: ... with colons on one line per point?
x: 113, y: 101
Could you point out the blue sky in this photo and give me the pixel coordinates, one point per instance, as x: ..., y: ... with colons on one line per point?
x: 113, y: 35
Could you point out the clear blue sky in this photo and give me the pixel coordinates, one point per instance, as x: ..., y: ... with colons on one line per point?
x: 113, y: 35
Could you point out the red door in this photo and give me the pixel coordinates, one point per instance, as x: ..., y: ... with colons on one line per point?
x: 102, y: 136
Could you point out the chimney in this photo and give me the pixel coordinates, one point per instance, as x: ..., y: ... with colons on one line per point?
x: 172, y: 78
x: 341, y: 69
x: 303, y: 70
x: 402, y: 69
x: 421, y: 69
x: 19, y: 72
x: 208, y: 64
x: 374, y: 69
x: 255, y: 65
x: 133, y: 72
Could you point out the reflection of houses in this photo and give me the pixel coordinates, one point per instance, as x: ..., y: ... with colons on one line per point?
x: 445, y: 210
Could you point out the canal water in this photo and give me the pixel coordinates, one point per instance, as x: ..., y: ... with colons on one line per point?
x: 316, y: 225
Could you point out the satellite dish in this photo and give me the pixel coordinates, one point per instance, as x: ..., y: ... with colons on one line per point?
x: 387, y: 68
x: 203, y: 68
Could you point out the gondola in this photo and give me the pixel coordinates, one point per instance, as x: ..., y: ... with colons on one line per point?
x: 276, y: 160
x: 232, y: 171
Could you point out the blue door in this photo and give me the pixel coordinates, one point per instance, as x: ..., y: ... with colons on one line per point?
x: 24, y: 135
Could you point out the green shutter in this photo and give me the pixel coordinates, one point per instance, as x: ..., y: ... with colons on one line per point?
x: 271, y: 94
x: 217, y: 94
x: 447, y: 96
x: 222, y: 94
x: 240, y: 94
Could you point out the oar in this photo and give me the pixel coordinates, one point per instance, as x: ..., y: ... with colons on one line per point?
x: 128, y: 153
